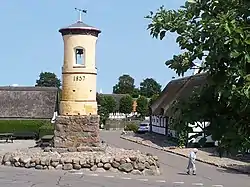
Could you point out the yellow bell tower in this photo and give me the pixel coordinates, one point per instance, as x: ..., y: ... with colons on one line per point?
x: 79, y: 69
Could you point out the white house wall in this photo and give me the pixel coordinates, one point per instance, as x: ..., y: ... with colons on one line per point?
x: 159, y: 125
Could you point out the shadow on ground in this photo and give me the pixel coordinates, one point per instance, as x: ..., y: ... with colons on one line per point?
x: 157, y: 139
x: 163, y: 141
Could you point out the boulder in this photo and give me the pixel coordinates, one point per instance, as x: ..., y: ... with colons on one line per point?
x: 83, y: 161
x: 76, y: 166
x: 141, y: 166
x: 115, y: 164
x: 133, y: 158
x: 86, y: 166
x: 37, y: 161
x: 8, y: 163
x: 147, y: 165
x: 76, y: 161
x: 107, y: 166
x: 39, y: 167
x: 100, y: 165
x: 155, y: 158
x: 54, y: 164
x: 122, y: 161
x: 93, y: 168
x: 136, y: 172
x: 59, y: 167
x: 51, y: 168
x: 15, y: 159
x: 127, y: 167
x: 135, y: 165
x: 100, y: 170
x: 6, y: 158
x: 97, y: 160
x: 67, y: 166
x: 17, y: 164
x: 105, y: 160
x: 27, y: 165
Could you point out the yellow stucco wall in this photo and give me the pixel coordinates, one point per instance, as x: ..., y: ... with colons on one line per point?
x: 79, y: 81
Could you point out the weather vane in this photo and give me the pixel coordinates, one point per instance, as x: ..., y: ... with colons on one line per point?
x: 80, y: 13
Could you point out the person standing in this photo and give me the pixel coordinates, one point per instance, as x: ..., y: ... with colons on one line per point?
x: 191, y: 162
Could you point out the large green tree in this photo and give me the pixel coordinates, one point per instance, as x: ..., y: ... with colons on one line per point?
x: 48, y: 79
x: 149, y: 87
x: 106, y: 105
x: 125, y: 85
x: 126, y: 104
x: 217, y: 35
x: 108, y: 102
x: 142, y: 106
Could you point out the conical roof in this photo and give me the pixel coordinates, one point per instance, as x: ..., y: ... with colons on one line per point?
x: 79, y: 28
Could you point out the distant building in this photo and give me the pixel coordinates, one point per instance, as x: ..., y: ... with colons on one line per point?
x: 175, y: 90
x: 28, y: 102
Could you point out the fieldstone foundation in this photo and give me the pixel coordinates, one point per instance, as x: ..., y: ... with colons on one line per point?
x: 76, y: 131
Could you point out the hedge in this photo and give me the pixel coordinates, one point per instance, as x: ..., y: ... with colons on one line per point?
x: 41, y: 127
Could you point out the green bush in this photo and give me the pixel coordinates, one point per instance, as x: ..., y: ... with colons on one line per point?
x: 41, y: 127
x: 47, y: 129
x: 131, y: 127
x: 11, y: 126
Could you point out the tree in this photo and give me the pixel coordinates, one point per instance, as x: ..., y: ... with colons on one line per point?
x: 109, y: 103
x: 48, y: 79
x: 215, y: 34
x: 136, y: 93
x: 106, y: 105
x: 149, y: 87
x: 153, y: 99
x: 126, y: 104
x: 104, y: 114
x: 142, y: 106
x: 125, y: 85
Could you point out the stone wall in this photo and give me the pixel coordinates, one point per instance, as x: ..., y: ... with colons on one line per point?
x: 76, y: 131
x: 112, y: 159
x: 112, y: 124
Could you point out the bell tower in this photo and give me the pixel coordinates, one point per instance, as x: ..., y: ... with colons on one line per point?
x: 78, y: 123
x: 79, y: 69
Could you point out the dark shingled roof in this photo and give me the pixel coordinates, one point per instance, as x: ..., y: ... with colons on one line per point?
x: 80, y: 28
x: 176, y: 90
x: 28, y: 102
x: 79, y: 25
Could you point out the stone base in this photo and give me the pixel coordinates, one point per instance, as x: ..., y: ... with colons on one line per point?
x: 76, y: 131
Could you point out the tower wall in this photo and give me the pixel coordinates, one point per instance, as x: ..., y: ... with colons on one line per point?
x: 79, y: 80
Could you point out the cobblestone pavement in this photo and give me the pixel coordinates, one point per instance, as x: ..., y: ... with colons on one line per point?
x: 206, y: 155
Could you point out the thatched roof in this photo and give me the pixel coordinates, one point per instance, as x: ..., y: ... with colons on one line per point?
x: 28, y: 102
x: 176, y: 90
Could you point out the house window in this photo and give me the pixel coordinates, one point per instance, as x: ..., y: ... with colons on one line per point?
x: 80, y: 56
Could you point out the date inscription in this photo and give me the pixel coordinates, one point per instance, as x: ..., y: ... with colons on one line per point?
x: 79, y: 78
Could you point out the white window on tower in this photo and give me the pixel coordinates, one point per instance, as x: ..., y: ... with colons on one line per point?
x: 80, y: 56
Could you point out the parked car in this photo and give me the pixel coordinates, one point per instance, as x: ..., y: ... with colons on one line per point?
x: 144, y: 127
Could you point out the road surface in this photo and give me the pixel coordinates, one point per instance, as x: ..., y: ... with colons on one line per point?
x: 174, y: 166
x: 173, y: 174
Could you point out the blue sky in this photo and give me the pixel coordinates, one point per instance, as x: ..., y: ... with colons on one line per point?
x: 31, y: 43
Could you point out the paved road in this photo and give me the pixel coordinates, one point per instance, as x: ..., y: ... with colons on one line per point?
x: 174, y: 166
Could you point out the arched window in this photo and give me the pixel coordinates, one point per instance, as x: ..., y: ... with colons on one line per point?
x: 79, y: 56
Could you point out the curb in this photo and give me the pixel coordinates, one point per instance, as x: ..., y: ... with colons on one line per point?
x: 169, y: 151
